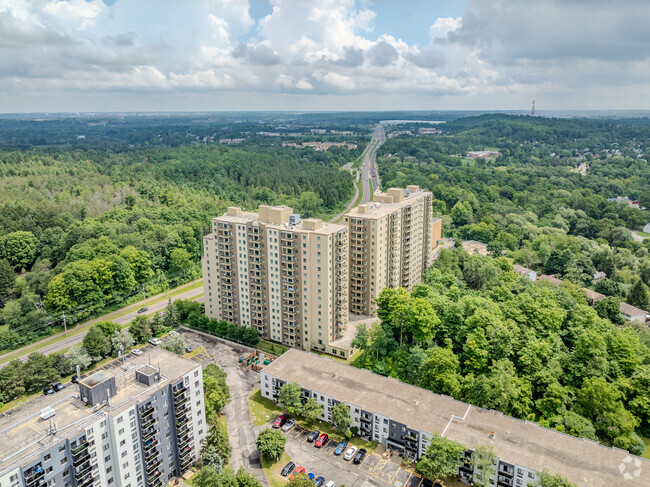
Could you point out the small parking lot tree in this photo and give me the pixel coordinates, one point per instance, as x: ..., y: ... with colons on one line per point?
x: 271, y: 443
x: 442, y: 458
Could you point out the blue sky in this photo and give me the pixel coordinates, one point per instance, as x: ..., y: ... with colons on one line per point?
x: 139, y: 55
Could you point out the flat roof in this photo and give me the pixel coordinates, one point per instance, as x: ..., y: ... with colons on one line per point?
x: 379, y: 210
x: 582, y: 461
x: 24, y: 433
x: 248, y: 216
x: 98, y: 378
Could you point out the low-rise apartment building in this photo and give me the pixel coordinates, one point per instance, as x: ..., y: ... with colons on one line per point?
x: 391, y: 244
x: 137, y: 422
x: 283, y: 275
x: 404, y: 418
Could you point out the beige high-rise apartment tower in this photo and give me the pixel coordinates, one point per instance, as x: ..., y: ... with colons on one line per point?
x: 391, y: 244
x: 284, y: 276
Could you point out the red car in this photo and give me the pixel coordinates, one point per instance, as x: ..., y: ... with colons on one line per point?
x: 322, y: 439
x: 279, y: 421
x: 299, y: 469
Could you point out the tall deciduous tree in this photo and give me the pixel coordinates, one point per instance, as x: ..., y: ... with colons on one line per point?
x: 340, y: 417
x: 97, y: 344
x: 289, y: 397
x: 484, y: 461
x: 442, y: 458
x: 311, y: 411
x: 7, y: 277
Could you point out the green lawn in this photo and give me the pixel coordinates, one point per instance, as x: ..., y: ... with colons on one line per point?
x: 643, y: 234
x: 646, y: 452
x: 262, y: 410
x: 272, y: 470
x: 271, y: 347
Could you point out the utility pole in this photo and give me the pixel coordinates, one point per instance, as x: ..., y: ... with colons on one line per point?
x: 65, y: 324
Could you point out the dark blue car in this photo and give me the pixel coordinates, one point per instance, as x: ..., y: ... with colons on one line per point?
x: 341, y: 447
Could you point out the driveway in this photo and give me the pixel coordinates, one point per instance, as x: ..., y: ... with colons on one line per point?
x: 241, y: 383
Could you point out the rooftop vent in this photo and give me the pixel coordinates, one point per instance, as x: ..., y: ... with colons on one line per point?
x: 47, y: 412
x: 147, y: 375
x: 97, y: 388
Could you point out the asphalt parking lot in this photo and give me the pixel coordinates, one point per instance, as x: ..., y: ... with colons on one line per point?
x: 375, y: 469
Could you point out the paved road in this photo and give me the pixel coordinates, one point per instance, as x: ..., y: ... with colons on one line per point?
x: 78, y: 338
x: 241, y: 432
x: 369, y: 167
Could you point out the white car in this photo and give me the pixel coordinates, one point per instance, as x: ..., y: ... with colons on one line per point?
x: 155, y: 341
x: 331, y: 483
x: 350, y: 453
x: 136, y: 351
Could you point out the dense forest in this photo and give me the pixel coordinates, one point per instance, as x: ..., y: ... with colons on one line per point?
x: 479, y: 332
x: 82, y: 229
x: 532, y: 200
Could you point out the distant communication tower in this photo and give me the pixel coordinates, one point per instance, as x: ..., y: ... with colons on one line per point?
x: 532, y: 110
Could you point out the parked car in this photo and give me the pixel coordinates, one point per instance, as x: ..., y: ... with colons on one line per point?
x: 311, y: 476
x: 155, y: 341
x: 299, y: 469
x: 48, y: 391
x: 427, y: 483
x: 163, y: 312
x: 136, y: 351
x: 331, y: 483
x: 438, y: 484
x: 189, y: 349
x: 75, y: 379
x: 350, y: 453
x: 313, y: 435
x: 361, y: 454
x: 319, y: 481
x: 340, y: 448
x: 288, y: 425
x: 288, y: 468
x: 279, y: 420
x: 142, y: 310
x: 57, y: 386
x: 322, y: 440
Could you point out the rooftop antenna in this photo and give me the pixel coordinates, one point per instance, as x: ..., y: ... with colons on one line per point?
x: 532, y: 111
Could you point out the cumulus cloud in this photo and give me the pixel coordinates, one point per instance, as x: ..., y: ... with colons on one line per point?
x: 498, y: 52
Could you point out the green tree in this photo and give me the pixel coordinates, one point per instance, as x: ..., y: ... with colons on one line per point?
x: 157, y: 325
x: 600, y: 401
x: 227, y: 478
x: 270, y: 443
x: 246, y: 479
x: 206, y: 477
x: 340, y: 417
x: 462, y: 214
x: 216, y: 392
x: 12, y: 383
x: 140, y: 330
x: 20, y: 249
x: 289, y: 397
x: 108, y: 328
x: 78, y: 355
x: 546, y: 479
x: 122, y: 341
x: 610, y: 309
x: 484, y: 461
x: 300, y: 480
x: 442, y: 458
x: 7, y: 277
x: 170, y: 320
x: 638, y: 295
x: 179, y: 260
x: 440, y: 372
x: 139, y: 262
x: 210, y: 457
x: 38, y: 372
x: 96, y: 343
x: 176, y: 344
x: 218, y: 438
x: 311, y: 411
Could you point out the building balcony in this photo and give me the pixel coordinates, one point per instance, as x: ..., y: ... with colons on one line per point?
x: 153, y: 465
x: 81, y: 458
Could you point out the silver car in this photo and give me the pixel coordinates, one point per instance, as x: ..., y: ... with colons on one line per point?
x: 288, y: 425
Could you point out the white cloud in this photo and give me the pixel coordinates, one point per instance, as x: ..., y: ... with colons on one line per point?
x: 499, y: 53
